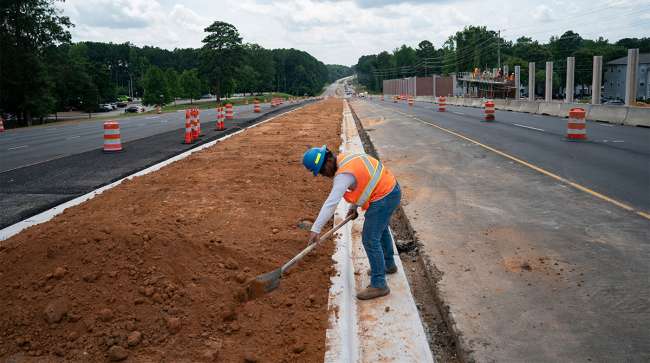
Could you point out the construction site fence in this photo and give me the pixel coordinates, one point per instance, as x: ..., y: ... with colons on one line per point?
x: 419, y: 86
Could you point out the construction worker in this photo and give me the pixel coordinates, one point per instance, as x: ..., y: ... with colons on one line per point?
x: 364, y: 182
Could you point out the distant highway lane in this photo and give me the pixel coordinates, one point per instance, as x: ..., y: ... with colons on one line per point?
x: 28, y: 146
x: 615, y: 161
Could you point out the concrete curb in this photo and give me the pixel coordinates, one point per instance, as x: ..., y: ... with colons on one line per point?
x: 387, y: 329
x: 51, y: 213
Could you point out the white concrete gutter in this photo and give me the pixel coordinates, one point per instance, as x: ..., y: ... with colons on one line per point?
x: 51, y: 213
x: 364, y: 331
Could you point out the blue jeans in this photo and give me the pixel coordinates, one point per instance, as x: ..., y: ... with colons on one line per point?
x: 376, y: 237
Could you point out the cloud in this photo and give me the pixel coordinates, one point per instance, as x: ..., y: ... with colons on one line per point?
x: 340, y: 31
x: 543, y: 13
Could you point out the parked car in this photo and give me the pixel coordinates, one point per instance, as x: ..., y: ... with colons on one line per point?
x: 113, y: 105
x: 134, y: 109
x: 614, y: 102
x: 104, y: 108
x: 121, y: 104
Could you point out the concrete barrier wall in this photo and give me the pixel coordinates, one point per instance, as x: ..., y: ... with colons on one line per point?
x: 638, y: 116
x: 633, y: 116
x: 549, y: 108
x: 615, y: 114
x: 513, y: 105
x: 529, y: 107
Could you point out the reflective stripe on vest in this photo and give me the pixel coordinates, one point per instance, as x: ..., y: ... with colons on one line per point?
x: 375, y: 175
x: 372, y: 184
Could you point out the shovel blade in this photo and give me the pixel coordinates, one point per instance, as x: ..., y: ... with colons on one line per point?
x: 264, y: 283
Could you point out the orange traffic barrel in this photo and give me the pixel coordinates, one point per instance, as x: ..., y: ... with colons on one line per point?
x: 576, y: 126
x: 256, y: 106
x: 229, y: 112
x: 188, y: 128
x: 410, y: 100
x: 442, y: 104
x: 2, y: 124
x: 489, y: 110
x: 112, y: 138
x: 220, y: 117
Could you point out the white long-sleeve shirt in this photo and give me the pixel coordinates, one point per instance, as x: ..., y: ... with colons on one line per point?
x: 342, y: 182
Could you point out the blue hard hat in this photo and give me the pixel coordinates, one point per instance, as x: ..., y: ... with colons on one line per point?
x: 314, y: 158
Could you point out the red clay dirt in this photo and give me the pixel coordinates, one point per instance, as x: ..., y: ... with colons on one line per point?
x: 151, y: 270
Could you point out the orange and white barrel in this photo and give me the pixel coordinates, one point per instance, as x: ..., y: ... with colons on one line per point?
x: 256, y: 106
x: 410, y: 100
x: 442, y: 104
x: 2, y: 124
x: 195, y: 129
x: 229, y: 112
x: 220, y: 117
x: 188, y: 128
x: 489, y: 110
x: 576, y: 126
x: 112, y: 138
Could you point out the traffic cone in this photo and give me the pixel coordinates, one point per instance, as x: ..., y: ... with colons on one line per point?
x: 2, y: 125
x: 256, y: 106
x: 489, y: 110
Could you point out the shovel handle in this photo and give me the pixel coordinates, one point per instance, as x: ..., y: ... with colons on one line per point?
x: 313, y: 245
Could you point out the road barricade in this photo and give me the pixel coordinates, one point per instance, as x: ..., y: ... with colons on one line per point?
x: 614, y: 114
x: 442, y: 104
x: 256, y: 106
x: 112, y: 137
x: 576, y: 126
x: 188, y: 127
x: 549, y: 108
x: 410, y: 100
x: 638, y: 116
x: 229, y: 112
x: 529, y: 107
x: 489, y: 110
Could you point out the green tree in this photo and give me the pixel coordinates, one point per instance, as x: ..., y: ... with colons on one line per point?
x: 155, y: 87
x: 190, y: 84
x: 28, y: 29
x: 221, y: 55
x: 173, y: 83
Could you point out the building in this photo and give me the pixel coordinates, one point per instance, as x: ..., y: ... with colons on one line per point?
x: 614, y: 76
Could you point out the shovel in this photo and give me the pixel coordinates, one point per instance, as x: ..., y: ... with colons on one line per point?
x: 271, y: 280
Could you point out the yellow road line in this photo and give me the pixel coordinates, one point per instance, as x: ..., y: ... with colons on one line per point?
x: 536, y: 168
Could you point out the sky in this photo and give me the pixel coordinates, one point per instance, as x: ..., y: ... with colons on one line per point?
x: 340, y: 31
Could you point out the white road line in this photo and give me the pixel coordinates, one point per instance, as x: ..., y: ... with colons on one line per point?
x: 618, y: 140
x: 17, y: 147
x: 604, y: 125
x: 73, y: 137
x: 457, y: 113
x: 529, y: 127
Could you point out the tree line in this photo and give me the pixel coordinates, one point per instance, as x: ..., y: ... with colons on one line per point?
x: 42, y: 71
x: 478, y: 47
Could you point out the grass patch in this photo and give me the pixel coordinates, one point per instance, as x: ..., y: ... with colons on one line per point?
x: 213, y: 104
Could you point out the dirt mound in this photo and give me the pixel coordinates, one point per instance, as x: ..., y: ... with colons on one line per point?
x: 150, y: 270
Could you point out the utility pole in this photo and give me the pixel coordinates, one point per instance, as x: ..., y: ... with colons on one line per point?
x: 499, y: 49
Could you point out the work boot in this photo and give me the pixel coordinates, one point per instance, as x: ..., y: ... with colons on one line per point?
x: 372, y: 293
x: 389, y: 271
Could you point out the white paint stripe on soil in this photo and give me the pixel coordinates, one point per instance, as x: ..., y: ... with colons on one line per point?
x: 16, y: 228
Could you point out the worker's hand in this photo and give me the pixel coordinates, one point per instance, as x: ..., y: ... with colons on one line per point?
x: 313, y: 237
x: 353, y: 212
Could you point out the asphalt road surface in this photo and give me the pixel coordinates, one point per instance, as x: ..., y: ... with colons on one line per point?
x: 33, y: 145
x: 46, y: 166
x: 615, y: 161
x: 526, y: 268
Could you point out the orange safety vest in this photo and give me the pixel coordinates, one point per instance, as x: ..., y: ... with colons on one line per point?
x: 373, y: 180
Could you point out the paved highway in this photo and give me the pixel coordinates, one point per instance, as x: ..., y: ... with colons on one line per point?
x: 33, y: 145
x: 527, y: 269
x: 615, y: 161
